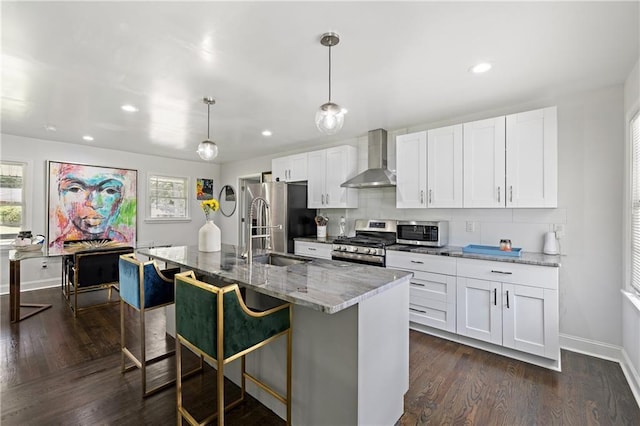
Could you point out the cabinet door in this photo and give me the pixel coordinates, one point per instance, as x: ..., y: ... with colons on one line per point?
x: 532, y: 159
x: 297, y: 167
x: 341, y: 165
x: 411, y: 170
x: 444, y: 167
x: 479, y: 314
x: 530, y: 319
x: 279, y: 169
x: 484, y: 163
x: 316, y: 175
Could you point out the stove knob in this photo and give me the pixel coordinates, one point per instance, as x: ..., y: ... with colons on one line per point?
x: 371, y: 251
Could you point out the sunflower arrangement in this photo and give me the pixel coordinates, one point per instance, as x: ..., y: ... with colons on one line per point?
x: 209, y: 206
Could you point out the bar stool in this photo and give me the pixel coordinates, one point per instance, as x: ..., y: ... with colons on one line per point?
x: 215, y: 323
x: 144, y: 287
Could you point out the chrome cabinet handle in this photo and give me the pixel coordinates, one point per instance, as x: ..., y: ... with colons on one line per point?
x: 417, y: 310
x: 418, y: 284
x: 495, y: 297
x: 498, y: 194
x: 322, y: 199
x: 501, y: 272
x: 327, y: 199
x: 429, y: 196
x: 417, y: 261
x: 288, y: 174
x: 511, y: 193
x: 507, y: 299
x: 421, y: 197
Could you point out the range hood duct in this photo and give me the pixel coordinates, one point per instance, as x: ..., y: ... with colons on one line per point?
x: 377, y: 175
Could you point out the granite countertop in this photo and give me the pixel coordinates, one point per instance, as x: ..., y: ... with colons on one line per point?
x: 528, y: 258
x: 325, y: 285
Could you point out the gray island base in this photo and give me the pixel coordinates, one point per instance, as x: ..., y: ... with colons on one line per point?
x: 350, y: 334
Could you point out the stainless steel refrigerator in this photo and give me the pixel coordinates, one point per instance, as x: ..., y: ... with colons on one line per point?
x: 287, y: 207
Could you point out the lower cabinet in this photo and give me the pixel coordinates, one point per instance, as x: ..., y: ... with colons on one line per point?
x: 311, y: 249
x: 432, y: 294
x: 508, y: 304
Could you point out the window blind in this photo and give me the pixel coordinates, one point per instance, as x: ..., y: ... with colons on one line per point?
x: 635, y: 202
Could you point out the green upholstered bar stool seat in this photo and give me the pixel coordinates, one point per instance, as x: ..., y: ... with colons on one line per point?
x: 214, y: 322
x: 143, y: 287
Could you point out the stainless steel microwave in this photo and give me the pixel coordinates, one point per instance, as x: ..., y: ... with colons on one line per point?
x: 432, y: 234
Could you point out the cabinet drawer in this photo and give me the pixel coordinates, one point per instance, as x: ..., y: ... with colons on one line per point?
x: 537, y: 276
x: 425, y: 285
x: 434, y: 314
x: 421, y: 262
x: 319, y: 250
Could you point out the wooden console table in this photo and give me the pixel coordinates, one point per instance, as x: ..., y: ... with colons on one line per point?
x: 15, y: 257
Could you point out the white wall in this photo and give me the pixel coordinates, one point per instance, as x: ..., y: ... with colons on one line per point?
x: 591, y: 139
x: 38, y: 151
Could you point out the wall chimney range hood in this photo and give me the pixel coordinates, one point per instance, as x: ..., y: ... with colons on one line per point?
x: 377, y: 175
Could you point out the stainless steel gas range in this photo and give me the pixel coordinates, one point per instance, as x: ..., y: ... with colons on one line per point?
x: 368, y: 245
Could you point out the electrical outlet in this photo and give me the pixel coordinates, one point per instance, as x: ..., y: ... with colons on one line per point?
x: 44, y: 264
x: 471, y: 226
x: 559, y: 230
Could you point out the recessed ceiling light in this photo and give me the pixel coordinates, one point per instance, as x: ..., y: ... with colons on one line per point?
x: 129, y: 108
x: 266, y: 133
x: 481, y: 67
x: 87, y: 138
x: 50, y: 127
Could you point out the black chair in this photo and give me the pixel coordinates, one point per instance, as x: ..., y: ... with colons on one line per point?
x: 91, y: 269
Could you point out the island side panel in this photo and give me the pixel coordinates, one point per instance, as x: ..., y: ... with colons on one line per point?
x: 383, y: 356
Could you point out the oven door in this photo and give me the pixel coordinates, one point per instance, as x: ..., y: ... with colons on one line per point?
x: 365, y: 259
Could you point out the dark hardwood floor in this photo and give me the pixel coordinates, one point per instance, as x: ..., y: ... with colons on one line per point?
x: 57, y: 370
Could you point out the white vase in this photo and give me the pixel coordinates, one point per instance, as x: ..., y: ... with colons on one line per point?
x: 209, y: 237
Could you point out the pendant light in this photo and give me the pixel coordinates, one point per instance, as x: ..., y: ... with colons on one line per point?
x: 330, y: 116
x: 207, y: 149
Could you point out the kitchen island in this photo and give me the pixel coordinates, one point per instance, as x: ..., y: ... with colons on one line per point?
x: 350, y: 332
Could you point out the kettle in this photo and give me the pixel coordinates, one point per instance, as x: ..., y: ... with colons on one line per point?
x: 550, y: 243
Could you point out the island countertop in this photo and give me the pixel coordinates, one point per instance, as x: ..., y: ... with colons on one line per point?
x: 325, y: 285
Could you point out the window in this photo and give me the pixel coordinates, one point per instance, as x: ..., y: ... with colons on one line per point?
x: 635, y: 202
x: 12, y: 200
x: 167, y: 198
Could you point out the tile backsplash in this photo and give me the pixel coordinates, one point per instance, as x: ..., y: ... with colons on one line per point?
x: 524, y: 227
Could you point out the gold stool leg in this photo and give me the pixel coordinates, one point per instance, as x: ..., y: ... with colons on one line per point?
x: 289, y: 396
x: 122, y: 339
x: 143, y: 353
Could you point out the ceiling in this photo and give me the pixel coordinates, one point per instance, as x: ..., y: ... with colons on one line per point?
x: 73, y: 64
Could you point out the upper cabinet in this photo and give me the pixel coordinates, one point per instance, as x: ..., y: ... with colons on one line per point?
x: 429, y: 168
x: 484, y: 160
x: 444, y: 167
x: 512, y: 161
x: 292, y: 168
x: 327, y: 170
x: 532, y: 159
x: 411, y: 170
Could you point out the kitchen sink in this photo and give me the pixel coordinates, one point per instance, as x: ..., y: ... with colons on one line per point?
x: 278, y: 259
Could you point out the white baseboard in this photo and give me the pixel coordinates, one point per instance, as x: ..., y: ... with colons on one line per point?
x: 32, y: 285
x: 633, y: 378
x: 591, y: 347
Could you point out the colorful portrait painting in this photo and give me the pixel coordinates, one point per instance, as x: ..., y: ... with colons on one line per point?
x: 90, y: 203
x: 204, y: 189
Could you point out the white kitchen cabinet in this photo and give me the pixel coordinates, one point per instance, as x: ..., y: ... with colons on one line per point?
x: 432, y: 291
x: 292, y: 168
x: 411, y: 170
x: 508, y: 304
x: 512, y: 161
x: 327, y: 170
x: 532, y: 159
x: 444, y: 167
x: 311, y: 249
x: 484, y: 163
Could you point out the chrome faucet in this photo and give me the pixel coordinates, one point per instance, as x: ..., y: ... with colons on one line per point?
x: 266, y: 226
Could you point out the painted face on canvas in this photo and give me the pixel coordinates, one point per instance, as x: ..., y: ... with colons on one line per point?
x: 90, y: 200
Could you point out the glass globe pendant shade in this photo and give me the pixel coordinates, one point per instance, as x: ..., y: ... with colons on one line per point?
x: 207, y: 150
x: 329, y: 118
